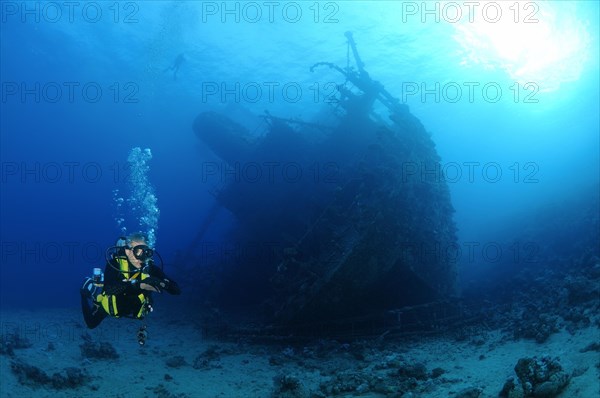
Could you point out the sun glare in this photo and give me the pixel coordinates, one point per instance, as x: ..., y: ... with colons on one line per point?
x: 540, y: 42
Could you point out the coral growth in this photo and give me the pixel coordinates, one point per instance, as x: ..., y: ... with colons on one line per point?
x: 542, y: 377
x: 33, y: 376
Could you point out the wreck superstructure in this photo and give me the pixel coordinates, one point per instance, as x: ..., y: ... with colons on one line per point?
x: 364, y: 221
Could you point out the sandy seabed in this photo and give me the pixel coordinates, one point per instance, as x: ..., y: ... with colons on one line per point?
x: 179, y: 360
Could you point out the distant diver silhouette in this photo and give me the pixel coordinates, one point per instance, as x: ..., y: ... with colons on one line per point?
x: 176, y: 65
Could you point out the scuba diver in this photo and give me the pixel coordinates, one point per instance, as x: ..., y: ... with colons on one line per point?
x: 176, y: 65
x: 125, y: 290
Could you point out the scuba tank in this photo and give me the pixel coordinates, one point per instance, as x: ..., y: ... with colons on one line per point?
x: 95, y: 284
x: 98, y: 278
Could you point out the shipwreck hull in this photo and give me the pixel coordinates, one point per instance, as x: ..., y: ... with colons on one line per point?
x: 374, y: 233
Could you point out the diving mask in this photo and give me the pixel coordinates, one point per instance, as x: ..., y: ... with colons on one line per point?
x: 142, y: 252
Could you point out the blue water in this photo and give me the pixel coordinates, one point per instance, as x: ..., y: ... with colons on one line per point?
x: 64, y: 152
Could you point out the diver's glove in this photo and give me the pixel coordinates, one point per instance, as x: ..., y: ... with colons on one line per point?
x: 157, y: 283
x: 172, y: 287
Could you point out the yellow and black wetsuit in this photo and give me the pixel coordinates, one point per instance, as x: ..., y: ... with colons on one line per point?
x: 122, y: 295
